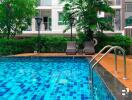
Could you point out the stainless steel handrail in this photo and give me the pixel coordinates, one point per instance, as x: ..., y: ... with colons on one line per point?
x: 106, y: 47
x: 112, y: 48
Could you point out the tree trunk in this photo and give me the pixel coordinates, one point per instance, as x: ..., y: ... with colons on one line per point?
x: 89, y: 34
x: 8, y: 32
x: 101, y: 30
x: 8, y: 28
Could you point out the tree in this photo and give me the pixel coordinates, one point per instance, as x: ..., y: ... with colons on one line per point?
x: 105, y: 24
x: 85, y: 13
x: 15, y: 16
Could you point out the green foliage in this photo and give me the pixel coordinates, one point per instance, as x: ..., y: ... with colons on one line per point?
x: 28, y: 45
x: 54, y: 44
x: 12, y: 46
x: 103, y: 40
x: 85, y: 15
x: 115, y: 40
x: 105, y: 24
x: 129, y: 21
x: 15, y: 16
x: 58, y: 43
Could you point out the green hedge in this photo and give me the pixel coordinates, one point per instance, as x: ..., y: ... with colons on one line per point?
x: 48, y: 44
x: 54, y: 44
x: 57, y: 44
x: 12, y: 46
x: 115, y: 40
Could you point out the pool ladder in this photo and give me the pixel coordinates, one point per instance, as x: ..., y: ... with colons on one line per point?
x: 110, y: 48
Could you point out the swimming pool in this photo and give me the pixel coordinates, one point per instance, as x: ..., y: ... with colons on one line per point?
x: 49, y: 78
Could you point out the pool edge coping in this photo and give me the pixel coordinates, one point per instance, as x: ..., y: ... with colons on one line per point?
x: 112, y: 83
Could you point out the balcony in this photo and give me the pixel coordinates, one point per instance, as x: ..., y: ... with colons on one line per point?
x: 45, y: 2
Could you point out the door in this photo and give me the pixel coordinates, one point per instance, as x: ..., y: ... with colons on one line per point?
x: 45, y: 20
x: 47, y: 23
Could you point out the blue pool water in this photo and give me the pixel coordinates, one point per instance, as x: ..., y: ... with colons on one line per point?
x: 39, y: 78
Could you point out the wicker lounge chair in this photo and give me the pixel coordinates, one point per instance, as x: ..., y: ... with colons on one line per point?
x: 89, y: 48
x: 71, y: 48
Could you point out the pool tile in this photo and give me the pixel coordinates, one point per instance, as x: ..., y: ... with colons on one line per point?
x: 48, y: 79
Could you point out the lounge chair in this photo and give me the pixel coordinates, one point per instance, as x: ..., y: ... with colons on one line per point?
x: 71, y: 48
x: 89, y: 48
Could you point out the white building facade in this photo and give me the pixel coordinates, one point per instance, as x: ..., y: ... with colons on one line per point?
x: 52, y: 23
x: 51, y: 13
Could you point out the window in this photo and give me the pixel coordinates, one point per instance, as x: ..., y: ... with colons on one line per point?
x: 117, y: 20
x: 128, y: 7
x: 114, y: 2
x: 118, y: 2
x: 110, y: 2
x: 45, y: 2
x: 61, y: 19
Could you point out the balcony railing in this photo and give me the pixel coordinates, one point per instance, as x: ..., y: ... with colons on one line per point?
x: 45, y: 2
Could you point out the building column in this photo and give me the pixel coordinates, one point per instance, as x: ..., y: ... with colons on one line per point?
x: 54, y: 16
x: 33, y: 25
x: 122, y: 14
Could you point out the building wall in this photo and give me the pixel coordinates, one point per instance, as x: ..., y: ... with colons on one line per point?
x: 122, y: 14
x: 51, y: 10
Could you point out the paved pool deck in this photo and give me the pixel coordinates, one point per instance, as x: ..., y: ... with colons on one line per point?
x: 107, y: 63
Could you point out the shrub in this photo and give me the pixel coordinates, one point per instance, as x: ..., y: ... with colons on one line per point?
x: 54, y: 44
x: 115, y: 40
x: 12, y: 46
x: 48, y: 44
